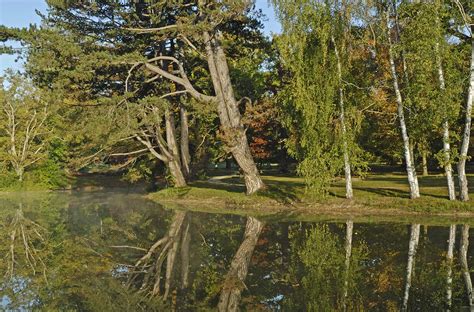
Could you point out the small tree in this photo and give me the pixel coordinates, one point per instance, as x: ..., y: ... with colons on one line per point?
x: 23, y: 123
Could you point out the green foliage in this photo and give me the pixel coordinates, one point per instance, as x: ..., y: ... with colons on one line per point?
x: 311, y: 94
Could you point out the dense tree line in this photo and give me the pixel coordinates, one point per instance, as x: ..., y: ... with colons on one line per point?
x: 141, y: 84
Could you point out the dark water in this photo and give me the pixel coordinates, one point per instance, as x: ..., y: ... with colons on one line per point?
x: 91, y: 252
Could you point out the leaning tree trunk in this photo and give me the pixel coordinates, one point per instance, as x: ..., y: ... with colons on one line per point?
x: 465, y: 267
x: 449, y: 260
x: 229, y: 114
x: 234, y: 280
x: 347, y: 164
x: 185, y: 156
x: 448, y: 169
x: 464, y: 191
x: 174, y: 162
x: 348, y: 247
x: 412, y: 179
x: 413, y: 245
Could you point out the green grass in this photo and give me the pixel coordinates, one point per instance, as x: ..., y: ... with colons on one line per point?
x: 376, y: 195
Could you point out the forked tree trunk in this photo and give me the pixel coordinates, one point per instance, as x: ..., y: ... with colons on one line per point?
x: 19, y: 173
x: 465, y: 267
x: 449, y: 260
x: 168, y: 149
x: 345, y: 148
x: 185, y: 156
x: 348, y: 247
x: 229, y: 114
x: 448, y: 169
x: 412, y: 178
x: 235, y: 278
x: 412, y: 247
x: 464, y: 191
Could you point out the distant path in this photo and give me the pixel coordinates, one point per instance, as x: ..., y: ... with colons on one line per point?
x: 218, y: 180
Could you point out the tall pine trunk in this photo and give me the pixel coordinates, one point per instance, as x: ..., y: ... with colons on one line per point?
x: 411, y: 172
x: 464, y: 191
x: 229, y: 114
x: 345, y: 148
x: 184, y: 142
x: 174, y: 163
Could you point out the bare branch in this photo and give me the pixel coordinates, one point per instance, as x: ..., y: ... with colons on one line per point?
x: 130, y: 247
x: 172, y: 93
x: 129, y: 153
x: 152, y: 30
x: 148, y: 144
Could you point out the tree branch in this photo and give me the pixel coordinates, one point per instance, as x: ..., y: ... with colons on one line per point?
x: 182, y: 80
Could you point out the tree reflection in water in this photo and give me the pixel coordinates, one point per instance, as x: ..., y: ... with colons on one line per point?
x: 120, y: 252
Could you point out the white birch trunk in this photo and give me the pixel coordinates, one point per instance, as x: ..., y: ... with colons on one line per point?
x: 347, y: 164
x: 448, y: 169
x: 412, y: 178
x: 412, y: 247
x: 464, y: 191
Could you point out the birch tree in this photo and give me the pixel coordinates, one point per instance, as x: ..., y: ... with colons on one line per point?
x: 409, y: 162
x: 314, y: 49
x: 464, y: 191
x: 446, y: 135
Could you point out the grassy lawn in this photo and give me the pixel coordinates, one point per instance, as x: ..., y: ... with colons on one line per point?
x: 384, y: 194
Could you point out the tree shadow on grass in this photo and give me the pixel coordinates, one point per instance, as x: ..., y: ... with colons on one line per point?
x: 390, y: 192
x: 334, y: 194
x: 229, y: 187
x: 385, y: 192
x: 284, y: 194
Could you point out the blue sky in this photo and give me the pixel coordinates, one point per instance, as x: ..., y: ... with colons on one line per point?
x: 21, y: 13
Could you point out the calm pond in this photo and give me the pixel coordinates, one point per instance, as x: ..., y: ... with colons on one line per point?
x: 118, y: 251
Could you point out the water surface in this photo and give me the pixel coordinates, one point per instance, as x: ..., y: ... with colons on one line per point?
x: 117, y: 251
